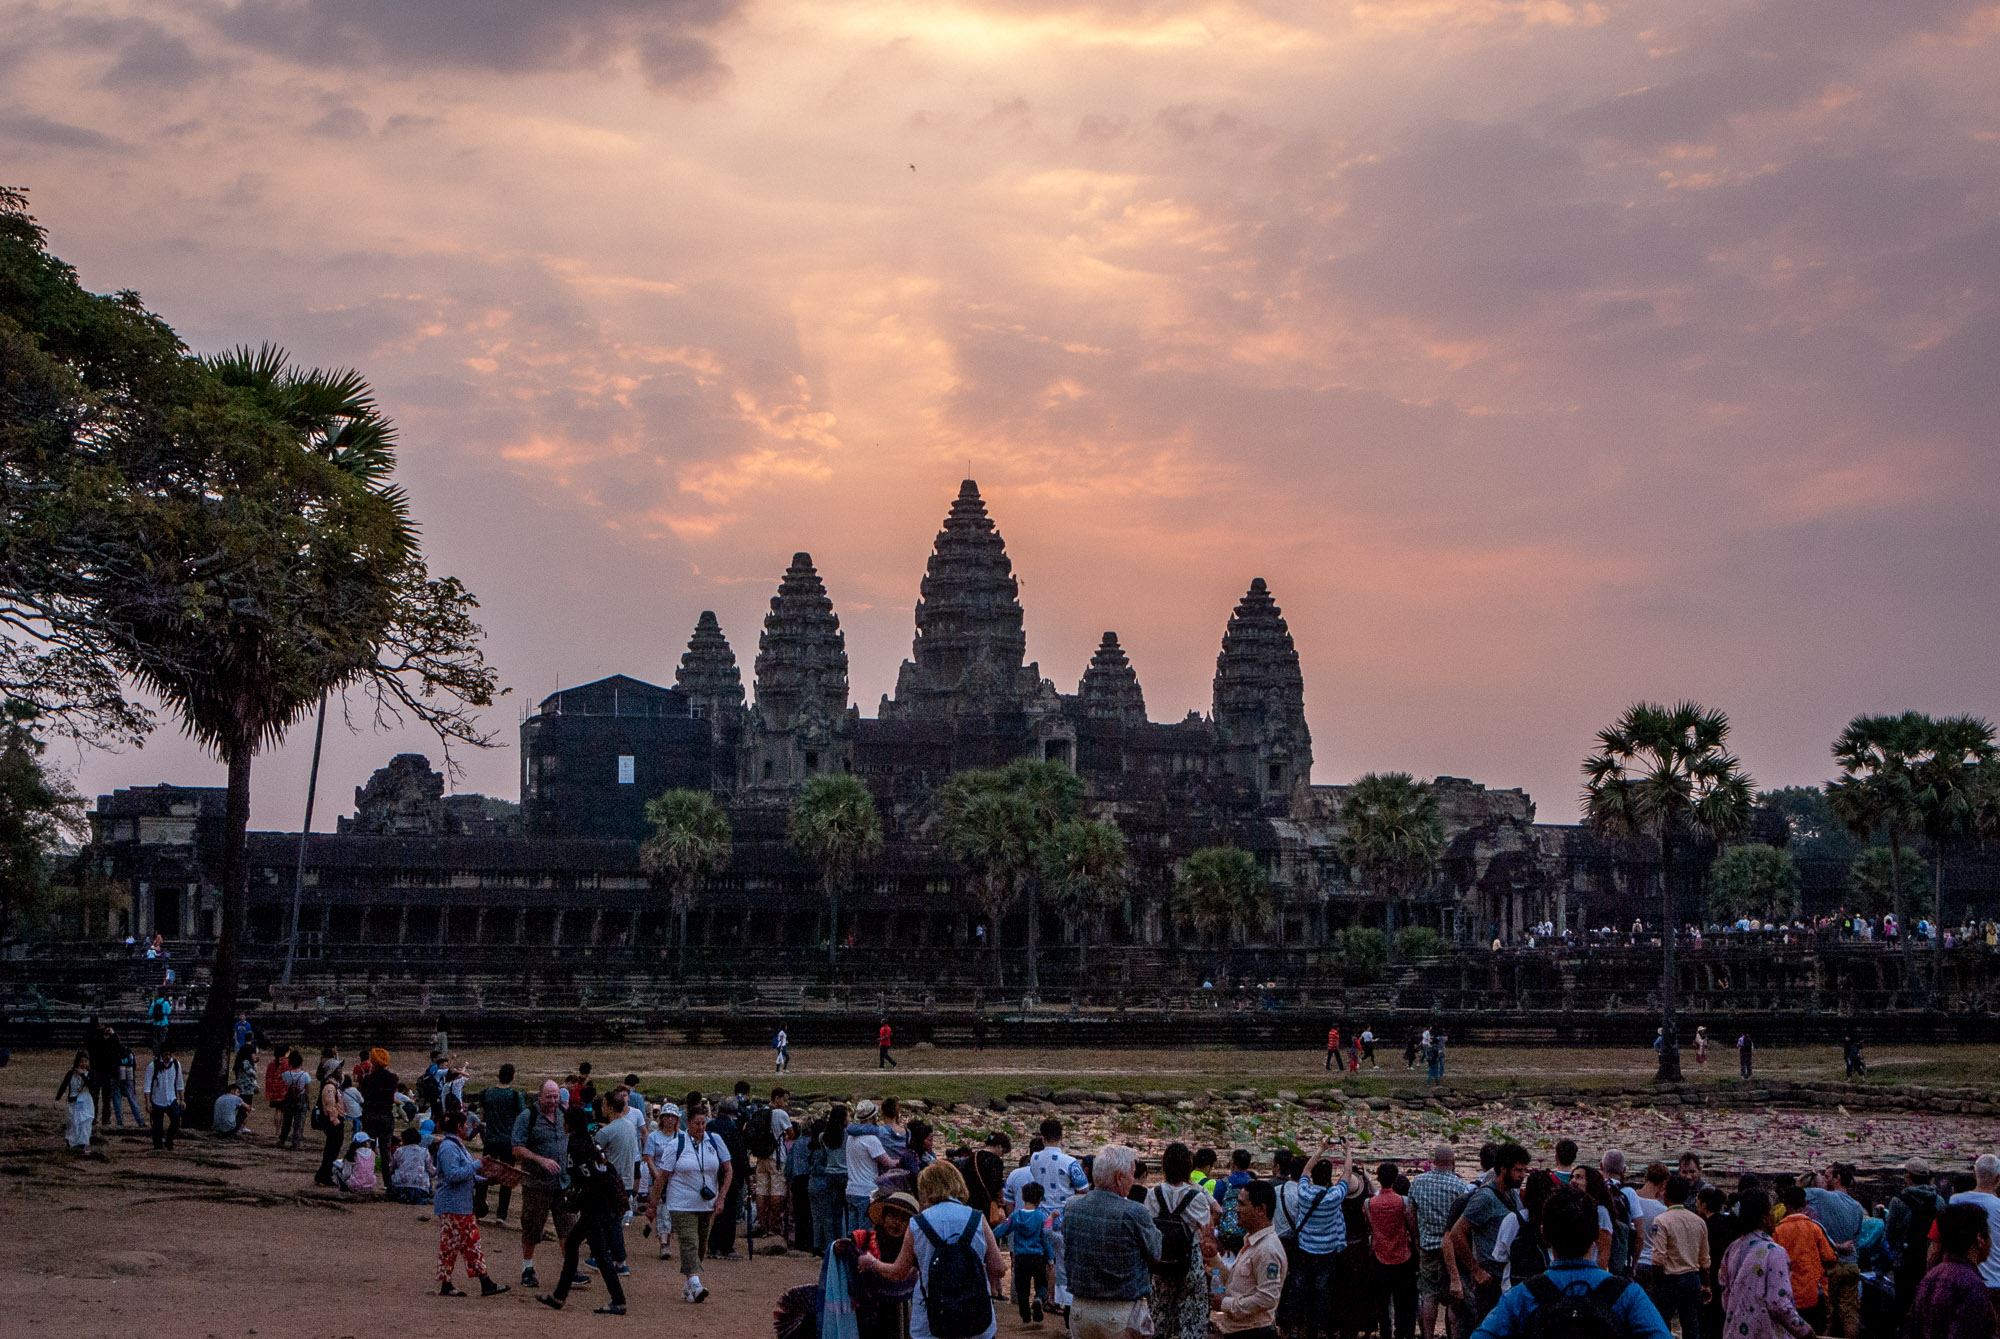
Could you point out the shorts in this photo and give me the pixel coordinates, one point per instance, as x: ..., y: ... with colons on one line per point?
x: 1431, y: 1281
x: 538, y: 1203
x: 767, y: 1179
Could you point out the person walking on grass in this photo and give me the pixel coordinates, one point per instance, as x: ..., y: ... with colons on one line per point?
x: 885, y: 1037
x: 458, y: 1229
x: 599, y: 1197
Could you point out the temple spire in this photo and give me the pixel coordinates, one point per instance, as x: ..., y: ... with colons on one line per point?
x: 801, y: 654
x: 1110, y: 687
x: 970, y: 642
x: 1259, y: 704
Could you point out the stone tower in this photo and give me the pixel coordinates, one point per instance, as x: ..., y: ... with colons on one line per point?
x: 1110, y: 687
x: 708, y: 674
x: 800, y: 724
x: 1259, y: 707
x: 970, y: 644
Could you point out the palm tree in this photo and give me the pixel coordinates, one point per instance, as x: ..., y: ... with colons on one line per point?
x: 1666, y: 773
x: 689, y: 846
x: 1051, y: 795
x: 1950, y: 777
x: 1876, y: 791
x: 1219, y: 887
x: 1392, y: 834
x: 1083, y: 866
x: 989, y: 829
x: 835, y: 828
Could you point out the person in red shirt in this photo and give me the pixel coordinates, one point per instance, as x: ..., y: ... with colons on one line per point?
x: 275, y: 1089
x: 1392, y: 1232
x: 1332, y: 1047
x: 883, y: 1037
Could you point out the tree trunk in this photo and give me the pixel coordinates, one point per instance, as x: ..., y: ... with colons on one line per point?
x: 1670, y: 1046
x: 833, y: 920
x: 1034, y: 934
x: 1937, y: 926
x: 1906, y: 929
x: 999, y: 966
x: 208, y: 1073
x: 681, y: 953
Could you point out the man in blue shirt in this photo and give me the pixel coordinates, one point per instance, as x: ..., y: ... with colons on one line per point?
x: 1312, y: 1213
x: 1835, y: 1209
x: 1569, y: 1226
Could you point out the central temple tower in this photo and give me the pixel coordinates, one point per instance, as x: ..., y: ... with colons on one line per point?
x: 970, y: 645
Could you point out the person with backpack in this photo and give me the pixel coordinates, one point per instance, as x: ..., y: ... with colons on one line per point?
x: 1185, y: 1215
x: 1473, y: 1236
x: 166, y: 1087
x: 1908, y: 1230
x: 764, y: 1140
x: 1756, y: 1278
x: 1518, y: 1249
x: 298, y: 1099
x: 499, y: 1107
x: 696, y: 1169
x: 954, y: 1256
x: 599, y: 1199
x: 1625, y: 1214
x: 1573, y: 1298
x: 728, y: 1127
x: 1229, y: 1234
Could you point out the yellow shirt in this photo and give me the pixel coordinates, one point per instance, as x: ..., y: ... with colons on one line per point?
x: 1250, y: 1299
x: 1680, y: 1242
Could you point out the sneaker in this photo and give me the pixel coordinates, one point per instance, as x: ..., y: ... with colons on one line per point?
x: 1035, y: 1310
x: 590, y: 1262
x: 579, y: 1280
x: 687, y: 1288
x: 696, y: 1293
x: 528, y: 1279
x: 624, y: 1269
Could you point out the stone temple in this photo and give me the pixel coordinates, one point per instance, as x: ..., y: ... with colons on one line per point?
x: 413, y: 866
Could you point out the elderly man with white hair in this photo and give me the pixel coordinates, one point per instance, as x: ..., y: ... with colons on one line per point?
x: 1987, y: 1196
x: 1110, y: 1245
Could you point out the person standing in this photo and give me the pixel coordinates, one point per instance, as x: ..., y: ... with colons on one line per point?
x: 104, y: 1050
x: 826, y: 1176
x: 1596, y: 1301
x: 1756, y: 1278
x: 1701, y: 1046
x: 1952, y: 1301
x: 697, y: 1173
x: 541, y: 1145
x: 1985, y: 1194
x: 458, y: 1228
x: 781, y: 1046
x: 298, y: 1099
x: 619, y: 1141
x: 1681, y: 1260
x: 1110, y: 1247
x: 499, y: 1107
x: 1478, y: 1229
x: 1332, y: 1045
x: 330, y: 1119
x: 1320, y: 1231
x: 166, y: 1083
x: 161, y: 1016
x: 1061, y: 1178
x: 766, y: 1140
x: 1392, y: 1240
x: 1833, y: 1204
x: 126, y: 1088
x: 275, y: 1091
x: 944, y: 1224
x: 1180, y: 1304
x: 867, y: 1159
x: 1247, y: 1306
x: 1908, y: 1229
x: 884, y: 1037
x: 728, y: 1127
x: 378, y: 1100
x: 1746, y: 1051
x: 79, y: 1106
x: 1432, y: 1195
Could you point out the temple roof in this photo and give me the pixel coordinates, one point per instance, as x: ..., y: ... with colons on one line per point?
x: 1110, y: 687
x: 1257, y: 674
x: 801, y: 654
x: 708, y: 672
x: 970, y: 644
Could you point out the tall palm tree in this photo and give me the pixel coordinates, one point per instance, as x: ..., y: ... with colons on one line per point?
x: 1666, y: 773
x: 1220, y: 887
x: 1392, y: 835
x: 690, y: 845
x: 1876, y: 792
x: 834, y: 826
x: 1083, y: 866
x: 1051, y: 795
x: 989, y: 829
x: 1949, y: 774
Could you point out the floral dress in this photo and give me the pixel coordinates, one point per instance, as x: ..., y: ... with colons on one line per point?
x: 1180, y: 1308
x: 1756, y: 1279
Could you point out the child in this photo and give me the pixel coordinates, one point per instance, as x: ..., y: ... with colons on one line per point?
x: 1023, y: 1233
x: 360, y: 1179
x: 410, y: 1179
x: 1227, y: 1234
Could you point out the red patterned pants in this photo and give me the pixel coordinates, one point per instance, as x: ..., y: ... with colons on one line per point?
x: 458, y: 1234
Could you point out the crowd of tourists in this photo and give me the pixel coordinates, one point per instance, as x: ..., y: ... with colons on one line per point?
x: 920, y: 1242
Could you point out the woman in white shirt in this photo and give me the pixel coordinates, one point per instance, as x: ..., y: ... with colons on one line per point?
x: 695, y: 1166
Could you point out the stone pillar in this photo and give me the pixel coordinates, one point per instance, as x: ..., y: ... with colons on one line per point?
x: 444, y: 924
x: 520, y: 926
x: 560, y: 913
x: 596, y: 927
x: 362, y: 931
x: 402, y: 922
x: 479, y: 927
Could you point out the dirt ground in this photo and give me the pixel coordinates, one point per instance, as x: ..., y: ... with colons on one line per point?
x: 231, y: 1238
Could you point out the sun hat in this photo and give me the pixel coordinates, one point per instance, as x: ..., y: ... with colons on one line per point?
x: 864, y: 1110
x: 882, y: 1201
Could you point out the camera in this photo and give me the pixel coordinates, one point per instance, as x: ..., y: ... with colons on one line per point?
x: 707, y: 1194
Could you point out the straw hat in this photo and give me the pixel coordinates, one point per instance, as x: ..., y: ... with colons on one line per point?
x: 882, y: 1201
x: 864, y: 1111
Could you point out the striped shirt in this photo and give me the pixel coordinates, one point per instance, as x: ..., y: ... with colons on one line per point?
x: 1313, y: 1212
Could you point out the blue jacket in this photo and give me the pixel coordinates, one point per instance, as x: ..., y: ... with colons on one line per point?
x: 456, y: 1171
x: 1635, y: 1312
x: 1022, y: 1231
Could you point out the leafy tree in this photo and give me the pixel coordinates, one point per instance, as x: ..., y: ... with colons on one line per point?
x: 834, y: 826
x: 1666, y: 773
x: 221, y: 532
x: 1219, y: 888
x: 998, y: 822
x: 1950, y: 775
x: 1871, y: 889
x: 39, y: 813
x: 1876, y: 791
x: 1363, y: 951
x: 1417, y: 942
x: 1817, y: 833
x: 1392, y: 833
x: 690, y: 845
x: 1753, y: 880
x: 1083, y: 867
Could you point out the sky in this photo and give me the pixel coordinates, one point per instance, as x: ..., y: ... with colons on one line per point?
x: 1543, y: 355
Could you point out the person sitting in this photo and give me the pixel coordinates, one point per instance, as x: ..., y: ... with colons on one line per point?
x: 410, y: 1178
x: 232, y: 1113
x: 1573, y: 1282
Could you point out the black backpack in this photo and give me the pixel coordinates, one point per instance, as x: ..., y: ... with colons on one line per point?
x: 1923, y: 1207
x: 1525, y: 1258
x: 955, y: 1294
x: 1621, y: 1232
x: 1176, y: 1240
x: 428, y: 1090
x: 1560, y: 1314
x: 763, y: 1139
